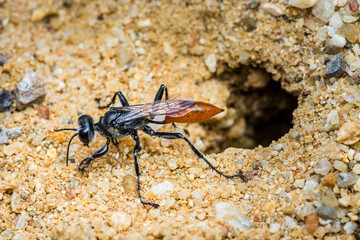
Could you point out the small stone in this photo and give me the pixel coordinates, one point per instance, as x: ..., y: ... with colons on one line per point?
x: 5, y: 100
x: 70, y: 194
x: 329, y: 198
x: 349, y: 31
x: 345, y: 180
x: 332, y: 120
x: 303, y: 3
x: 21, y: 221
x: 124, y: 56
x: 169, y: 50
x: 129, y: 184
x: 323, y: 10
x: 345, y: 201
x: 338, y: 41
x: 40, y: 13
x: 350, y: 227
x: 336, y: 67
x: 336, y: 21
x: 290, y: 222
x: 357, y: 157
x: 323, y: 166
x: 29, y: 90
x: 274, y: 227
x: 329, y: 180
x: 319, y: 232
x: 73, y: 184
x: 311, y: 223
x: 354, y: 6
x: 349, y: 133
x: 210, y: 62
x: 357, y: 185
x: 3, y: 59
x: 43, y: 112
x: 121, y: 221
x: 299, y: 183
x: 102, y: 208
x: 273, y: 9
x: 341, y: 166
x: 310, y: 189
x: 253, y: 4
x: 228, y: 213
x: 356, y: 169
x: 326, y: 213
x: 162, y: 188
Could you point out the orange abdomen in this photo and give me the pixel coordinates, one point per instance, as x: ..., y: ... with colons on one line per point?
x: 197, y: 112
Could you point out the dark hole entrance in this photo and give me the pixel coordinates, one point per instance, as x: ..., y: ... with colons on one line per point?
x: 259, y: 111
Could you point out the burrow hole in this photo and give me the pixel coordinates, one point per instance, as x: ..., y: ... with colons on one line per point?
x: 260, y: 111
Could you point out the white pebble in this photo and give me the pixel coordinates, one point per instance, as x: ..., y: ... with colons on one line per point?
x: 120, y: 220
x: 274, y: 227
x: 299, y: 183
x: 350, y: 227
x: 357, y: 185
x: 350, y: 19
x: 210, y: 62
x: 273, y: 9
x: 228, y: 213
x: 340, y: 165
x: 312, y: 66
x: 323, y: 10
x: 335, y: 21
x: 356, y: 169
x: 303, y: 3
x: 356, y: 49
x: 162, y: 188
x: 338, y: 41
x: 290, y: 222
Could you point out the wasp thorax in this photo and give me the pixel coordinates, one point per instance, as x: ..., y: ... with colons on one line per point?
x: 86, y: 129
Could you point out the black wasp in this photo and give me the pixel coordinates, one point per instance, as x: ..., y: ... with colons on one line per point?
x: 119, y: 122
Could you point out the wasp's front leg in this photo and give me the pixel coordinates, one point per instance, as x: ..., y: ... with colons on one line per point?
x: 86, y: 161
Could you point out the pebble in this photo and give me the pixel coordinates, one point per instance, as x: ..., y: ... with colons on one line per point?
x: 43, y: 112
x: 323, y: 166
x: 129, y: 184
x: 303, y: 3
x: 121, y: 220
x: 326, y: 213
x: 354, y: 6
x: 29, y: 90
x: 162, y: 188
x: 310, y: 189
x: 332, y: 120
x: 210, y: 62
x: 356, y: 169
x: 299, y: 183
x: 290, y: 222
x: 3, y: 59
x: 336, y: 21
x: 21, y: 221
x: 340, y: 165
x: 329, y: 198
x: 345, y: 201
x: 12, y: 133
x: 273, y: 9
x: 349, y: 31
x: 323, y: 10
x: 274, y: 227
x: 349, y: 133
x: 5, y: 100
x: 357, y: 185
x: 311, y: 223
x: 319, y: 232
x: 329, y: 180
x: 40, y: 13
x: 228, y: 213
x: 336, y: 67
x: 350, y: 227
x: 70, y: 194
x: 338, y: 41
x: 345, y: 180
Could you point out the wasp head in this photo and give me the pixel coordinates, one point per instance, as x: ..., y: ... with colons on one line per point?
x: 86, y: 129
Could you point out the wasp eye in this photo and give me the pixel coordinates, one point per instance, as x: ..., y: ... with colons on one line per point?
x: 86, y: 129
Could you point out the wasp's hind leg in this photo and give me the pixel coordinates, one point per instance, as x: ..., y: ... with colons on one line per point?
x: 168, y: 135
x: 101, y: 152
x: 137, y: 148
x: 121, y: 97
x: 160, y: 93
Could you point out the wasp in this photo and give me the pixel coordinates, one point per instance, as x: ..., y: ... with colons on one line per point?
x: 120, y: 122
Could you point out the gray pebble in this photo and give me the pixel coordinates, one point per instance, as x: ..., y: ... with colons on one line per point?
x: 29, y: 90
x: 326, y: 213
x: 336, y: 67
x: 3, y: 59
x: 5, y: 100
x: 345, y: 180
x: 12, y: 133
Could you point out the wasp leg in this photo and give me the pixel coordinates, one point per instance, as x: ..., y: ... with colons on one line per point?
x: 121, y: 97
x: 168, y: 135
x: 160, y: 93
x: 137, y: 148
x: 86, y: 161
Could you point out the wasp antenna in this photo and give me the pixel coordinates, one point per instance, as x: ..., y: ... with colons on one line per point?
x: 68, y: 147
x: 65, y: 129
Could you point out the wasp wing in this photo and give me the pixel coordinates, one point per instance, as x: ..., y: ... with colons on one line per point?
x: 153, y: 109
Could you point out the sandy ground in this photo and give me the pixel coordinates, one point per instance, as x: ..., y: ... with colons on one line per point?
x: 84, y: 50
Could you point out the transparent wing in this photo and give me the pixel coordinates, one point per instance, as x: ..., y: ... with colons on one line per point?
x: 172, y: 105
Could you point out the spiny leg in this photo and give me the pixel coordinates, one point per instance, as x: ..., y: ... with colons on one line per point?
x: 137, y: 148
x: 168, y: 135
x: 121, y: 97
x: 86, y: 161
